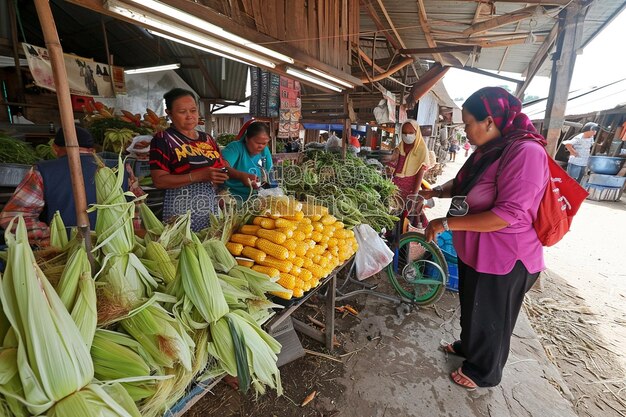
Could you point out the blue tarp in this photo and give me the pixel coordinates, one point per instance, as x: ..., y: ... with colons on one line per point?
x: 336, y: 127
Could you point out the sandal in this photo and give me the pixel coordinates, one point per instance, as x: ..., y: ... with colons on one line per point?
x: 453, y: 348
x: 462, y: 380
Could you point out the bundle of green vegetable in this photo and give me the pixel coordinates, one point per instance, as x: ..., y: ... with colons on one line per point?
x: 14, y: 151
x: 354, y: 192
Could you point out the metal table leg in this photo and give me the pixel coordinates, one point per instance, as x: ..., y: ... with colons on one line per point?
x: 330, y: 313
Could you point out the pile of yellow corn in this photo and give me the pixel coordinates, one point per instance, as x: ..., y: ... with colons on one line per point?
x: 300, y: 249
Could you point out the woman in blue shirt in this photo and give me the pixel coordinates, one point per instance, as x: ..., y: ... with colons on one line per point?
x: 249, y: 160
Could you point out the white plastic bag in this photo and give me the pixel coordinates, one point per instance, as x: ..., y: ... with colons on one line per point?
x: 373, y: 254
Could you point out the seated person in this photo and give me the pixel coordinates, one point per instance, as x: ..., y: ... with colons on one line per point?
x: 249, y: 160
x: 47, y: 188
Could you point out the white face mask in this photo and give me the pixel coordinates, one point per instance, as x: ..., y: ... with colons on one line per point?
x: 408, y: 139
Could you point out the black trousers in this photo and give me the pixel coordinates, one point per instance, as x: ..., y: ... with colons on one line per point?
x: 490, y: 305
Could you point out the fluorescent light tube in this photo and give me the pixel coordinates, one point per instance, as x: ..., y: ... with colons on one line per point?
x: 329, y: 77
x: 189, y: 19
x: 152, y: 69
x: 193, y: 45
x: 314, y: 80
x: 189, y: 34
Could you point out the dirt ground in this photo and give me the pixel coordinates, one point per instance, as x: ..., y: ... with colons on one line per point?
x: 567, y: 355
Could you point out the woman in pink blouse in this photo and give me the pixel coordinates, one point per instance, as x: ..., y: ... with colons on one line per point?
x: 496, y: 195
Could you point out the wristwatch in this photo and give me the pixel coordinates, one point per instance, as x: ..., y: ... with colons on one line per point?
x: 439, y: 190
x: 444, y: 222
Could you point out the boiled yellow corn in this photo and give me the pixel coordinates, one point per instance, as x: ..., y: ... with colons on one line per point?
x: 254, y: 254
x: 272, y: 249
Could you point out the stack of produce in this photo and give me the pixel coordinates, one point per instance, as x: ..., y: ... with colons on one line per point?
x: 161, y: 312
x: 298, y: 244
x: 354, y: 192
x: 14, y: 151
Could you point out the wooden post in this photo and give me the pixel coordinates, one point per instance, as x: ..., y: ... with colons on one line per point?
x: 562, y: 70
x: 109, y: 55
x: 16, y: 55
x: 67, y: 115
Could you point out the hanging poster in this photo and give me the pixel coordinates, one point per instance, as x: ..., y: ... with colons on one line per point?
x: 290, y: 108
x: 85, y: 76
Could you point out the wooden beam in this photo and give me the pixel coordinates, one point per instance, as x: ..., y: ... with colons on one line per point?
x: 564, y: 59
x: 489, y: 43
x: 537, y: 61
x: 211, y: 16
x: 491, y: 74
x: 369, y: 8
x: 436, y: 50
x: 540, y: 2
x: 502, y: 20
x: 388, y: 73
x: 16, y: 52
x: 393, y: 27
x: 430, y: 40
x: 368, y: 60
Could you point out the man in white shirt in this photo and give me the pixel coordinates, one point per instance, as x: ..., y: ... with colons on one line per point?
x: 579, y: 148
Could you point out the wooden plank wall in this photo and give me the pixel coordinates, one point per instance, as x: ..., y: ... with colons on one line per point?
x: 323, y: 29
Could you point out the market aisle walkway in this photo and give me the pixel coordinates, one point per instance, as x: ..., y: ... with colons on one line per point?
x: 399, y: 371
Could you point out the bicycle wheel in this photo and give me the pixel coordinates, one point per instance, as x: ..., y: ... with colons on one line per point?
x: 418, y: 273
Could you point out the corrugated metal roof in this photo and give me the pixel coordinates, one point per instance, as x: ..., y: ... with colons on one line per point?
x: 448, y: 18
x: 585, y: 101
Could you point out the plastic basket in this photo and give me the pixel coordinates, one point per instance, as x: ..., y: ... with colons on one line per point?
x: 453, y: 277
x: 444, y: 241
x: 11, y: 175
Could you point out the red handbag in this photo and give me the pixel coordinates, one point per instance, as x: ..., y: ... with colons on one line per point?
x: 560, y: 203
x: 561, y: 200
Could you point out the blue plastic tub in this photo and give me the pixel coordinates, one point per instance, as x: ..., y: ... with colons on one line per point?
x: 444, y: 241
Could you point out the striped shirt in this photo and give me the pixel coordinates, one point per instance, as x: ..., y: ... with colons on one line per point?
x: 175, y: 153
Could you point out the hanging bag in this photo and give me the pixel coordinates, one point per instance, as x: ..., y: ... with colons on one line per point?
x: 561, y: 200
x: 560, y: 203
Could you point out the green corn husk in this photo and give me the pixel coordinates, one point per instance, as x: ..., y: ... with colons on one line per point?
x: 116, y: 356
x: 260, y: 310
x: 157, y: 403
x: 222, y: 260
x: 237, y: 282
x: 53, y: 360
x: 260, y: 284
x: 176, y: 233
x: 114, y: 223
x: 162, y: 265
x: 222, y: 348
x: 93, y: 400
x: 58, y: 232
x: 150, y: 222
x: 241, y: 355
x: 127, y: 283
x: 162, y: 336
x: 84, y: 311
x: 262, y: 352
x: 10, y: 381
x: 200, y: 282
x: 244, y: 350
x: 235, y: 296
x: 77, y: 264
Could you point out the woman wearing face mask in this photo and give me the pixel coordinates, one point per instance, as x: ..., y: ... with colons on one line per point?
x: 409, y: 160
